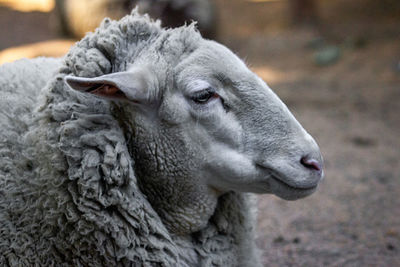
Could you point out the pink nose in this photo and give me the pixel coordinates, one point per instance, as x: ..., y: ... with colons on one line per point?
x: 311, y: 163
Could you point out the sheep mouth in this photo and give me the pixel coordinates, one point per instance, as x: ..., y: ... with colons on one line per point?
x: 280, y: 180
x: 284, y: 184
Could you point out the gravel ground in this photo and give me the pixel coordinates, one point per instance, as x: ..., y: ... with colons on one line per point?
x: 351, y: 107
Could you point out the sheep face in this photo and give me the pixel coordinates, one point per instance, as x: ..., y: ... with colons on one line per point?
x: 205, y: 126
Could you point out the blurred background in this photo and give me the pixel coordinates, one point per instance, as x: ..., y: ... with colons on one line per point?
x: 335, y: 63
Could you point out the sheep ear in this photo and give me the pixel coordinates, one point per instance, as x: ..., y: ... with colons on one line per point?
x: 128, y: 85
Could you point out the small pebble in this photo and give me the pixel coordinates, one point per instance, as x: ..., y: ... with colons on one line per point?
x: 354, y: 236
x: 363, y: 141
x: 279, y: 239
x: 296, y: 240
x: 327, y: 56
x: 390, y: 247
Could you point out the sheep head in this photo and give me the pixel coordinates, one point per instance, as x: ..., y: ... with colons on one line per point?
x: 198, y: 124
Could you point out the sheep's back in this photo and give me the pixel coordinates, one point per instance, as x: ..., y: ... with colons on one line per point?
x: 20, y: 85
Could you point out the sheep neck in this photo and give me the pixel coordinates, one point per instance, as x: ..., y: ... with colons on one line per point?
x: 182, y: 215
x: 184, y: 204
x: 184, y: 207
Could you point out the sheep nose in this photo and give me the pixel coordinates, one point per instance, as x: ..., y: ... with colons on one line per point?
x: 311, y: 163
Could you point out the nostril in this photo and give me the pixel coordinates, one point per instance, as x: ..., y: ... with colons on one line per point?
x: 311, y: 163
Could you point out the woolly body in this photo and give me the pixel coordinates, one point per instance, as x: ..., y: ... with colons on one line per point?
x: 68, y: 192
x: 81, y: 185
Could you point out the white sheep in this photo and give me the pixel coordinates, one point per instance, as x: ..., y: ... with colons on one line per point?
x: 137, y: 149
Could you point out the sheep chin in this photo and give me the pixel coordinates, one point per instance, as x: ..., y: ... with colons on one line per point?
x: 286, y: 192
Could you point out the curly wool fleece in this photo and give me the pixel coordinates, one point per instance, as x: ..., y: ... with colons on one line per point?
x: 68, y: 190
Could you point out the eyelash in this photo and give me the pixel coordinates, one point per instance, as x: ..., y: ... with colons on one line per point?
x: 204, y: 96
x: 209, y: 93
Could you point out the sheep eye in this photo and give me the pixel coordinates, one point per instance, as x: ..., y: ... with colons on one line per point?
x: 203, y: 97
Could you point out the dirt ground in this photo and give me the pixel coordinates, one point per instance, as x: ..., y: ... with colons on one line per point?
x: 351, y: 107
